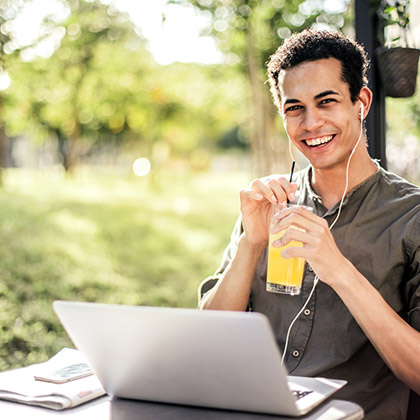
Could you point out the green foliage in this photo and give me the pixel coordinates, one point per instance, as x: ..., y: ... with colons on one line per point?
x: 103, y: 236
x: 9, y: 10
x: 59, y: 97
x: 258, y: 27
x: 248, y: 32
x: 102, y: 85
x: 392, y: 13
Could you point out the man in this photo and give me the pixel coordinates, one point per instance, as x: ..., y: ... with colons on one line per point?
x: 362, y: 323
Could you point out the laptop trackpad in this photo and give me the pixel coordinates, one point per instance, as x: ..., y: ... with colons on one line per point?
x: 312, y: 391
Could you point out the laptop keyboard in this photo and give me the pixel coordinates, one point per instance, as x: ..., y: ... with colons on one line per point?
x: 300, y: 394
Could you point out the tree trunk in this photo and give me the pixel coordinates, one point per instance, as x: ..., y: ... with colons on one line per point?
x: 268, y: 149
x: 67, y: 148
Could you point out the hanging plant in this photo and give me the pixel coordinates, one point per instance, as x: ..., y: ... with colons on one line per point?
x: 397, y: 60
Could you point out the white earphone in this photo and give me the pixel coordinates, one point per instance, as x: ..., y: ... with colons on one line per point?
x: 316, y: 279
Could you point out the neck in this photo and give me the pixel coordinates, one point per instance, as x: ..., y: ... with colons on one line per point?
x: 330, y: 183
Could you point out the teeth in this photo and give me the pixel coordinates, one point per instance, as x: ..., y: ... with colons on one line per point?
x: 319, y: 140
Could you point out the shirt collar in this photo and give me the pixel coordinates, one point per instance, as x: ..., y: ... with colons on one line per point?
x: 366, y: 184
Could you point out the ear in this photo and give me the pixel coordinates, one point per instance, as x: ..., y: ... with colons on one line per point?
x: 365, y: 98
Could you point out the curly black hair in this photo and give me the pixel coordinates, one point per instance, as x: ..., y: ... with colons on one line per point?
x: 311, y: 45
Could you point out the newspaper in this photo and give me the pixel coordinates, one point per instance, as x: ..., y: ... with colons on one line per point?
x: 20, y: 385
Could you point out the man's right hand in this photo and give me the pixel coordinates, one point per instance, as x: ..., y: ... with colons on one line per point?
x: 256, y: 205
x: 233, y: 288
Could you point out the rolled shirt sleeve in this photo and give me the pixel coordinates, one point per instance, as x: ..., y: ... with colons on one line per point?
x: 379, y: 232
x: 412, y: 286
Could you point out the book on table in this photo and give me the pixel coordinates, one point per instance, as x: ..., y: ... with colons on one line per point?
x: 62, y: 382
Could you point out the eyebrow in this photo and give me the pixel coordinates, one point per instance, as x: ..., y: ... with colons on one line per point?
x: 326, y: 93
x: 319, y: 96
x: 291, y: 101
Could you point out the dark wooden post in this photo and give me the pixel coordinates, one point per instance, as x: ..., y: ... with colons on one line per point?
x: 366, y: 29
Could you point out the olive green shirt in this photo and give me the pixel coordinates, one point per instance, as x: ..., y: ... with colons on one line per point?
x: 379, y: 232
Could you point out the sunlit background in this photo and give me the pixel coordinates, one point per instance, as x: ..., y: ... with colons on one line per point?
x: 127, y: 128
x: 174, y: 82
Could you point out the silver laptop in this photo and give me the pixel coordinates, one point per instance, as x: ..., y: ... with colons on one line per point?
x: 219, y: 359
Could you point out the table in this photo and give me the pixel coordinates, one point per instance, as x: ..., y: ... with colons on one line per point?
x: 106, y: 408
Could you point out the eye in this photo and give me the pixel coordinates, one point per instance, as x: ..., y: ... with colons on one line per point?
x: 293, y: 108
x: 327, y: 101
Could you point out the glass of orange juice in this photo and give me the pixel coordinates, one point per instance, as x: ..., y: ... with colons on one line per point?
x: 284, y: 275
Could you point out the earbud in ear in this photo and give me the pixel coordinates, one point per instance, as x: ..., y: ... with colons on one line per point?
x: 361, y: 111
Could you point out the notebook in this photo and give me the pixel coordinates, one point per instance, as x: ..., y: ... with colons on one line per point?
x: 218, y: 359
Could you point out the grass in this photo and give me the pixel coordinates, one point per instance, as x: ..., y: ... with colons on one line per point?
x: 103, y: 236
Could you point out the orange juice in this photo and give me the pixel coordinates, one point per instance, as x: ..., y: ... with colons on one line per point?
x: 284, y: 275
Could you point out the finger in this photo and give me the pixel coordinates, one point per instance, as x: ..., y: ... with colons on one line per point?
x: 283, y: 189
x: 278, y: 190
x: 246, y: 194
x: 292, y: 234
x: 307, y: 252
x: 262, y: 190
x: 287, y: 187
x: 294, y: 252
x: 298, y: 216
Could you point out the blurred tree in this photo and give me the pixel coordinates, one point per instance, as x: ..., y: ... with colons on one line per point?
x: 62, y: 96
x: 101, y: 84
x: 248, y: 32
x: 9, y: 10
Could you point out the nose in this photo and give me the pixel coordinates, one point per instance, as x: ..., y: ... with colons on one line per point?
x: 312, y: 119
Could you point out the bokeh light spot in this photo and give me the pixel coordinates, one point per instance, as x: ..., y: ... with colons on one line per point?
x: 141, y: 166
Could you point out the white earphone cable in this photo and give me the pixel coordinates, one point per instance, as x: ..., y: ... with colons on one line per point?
x: 316, y: 279
x: 347, y: 168
x: 296, y: 318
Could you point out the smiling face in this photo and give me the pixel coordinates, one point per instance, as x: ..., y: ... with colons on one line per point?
x: 319, y: 116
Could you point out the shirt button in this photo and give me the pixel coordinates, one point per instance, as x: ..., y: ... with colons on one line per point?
x: 307, y: 312
x: 296, y: 353
x: 311, y: 269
